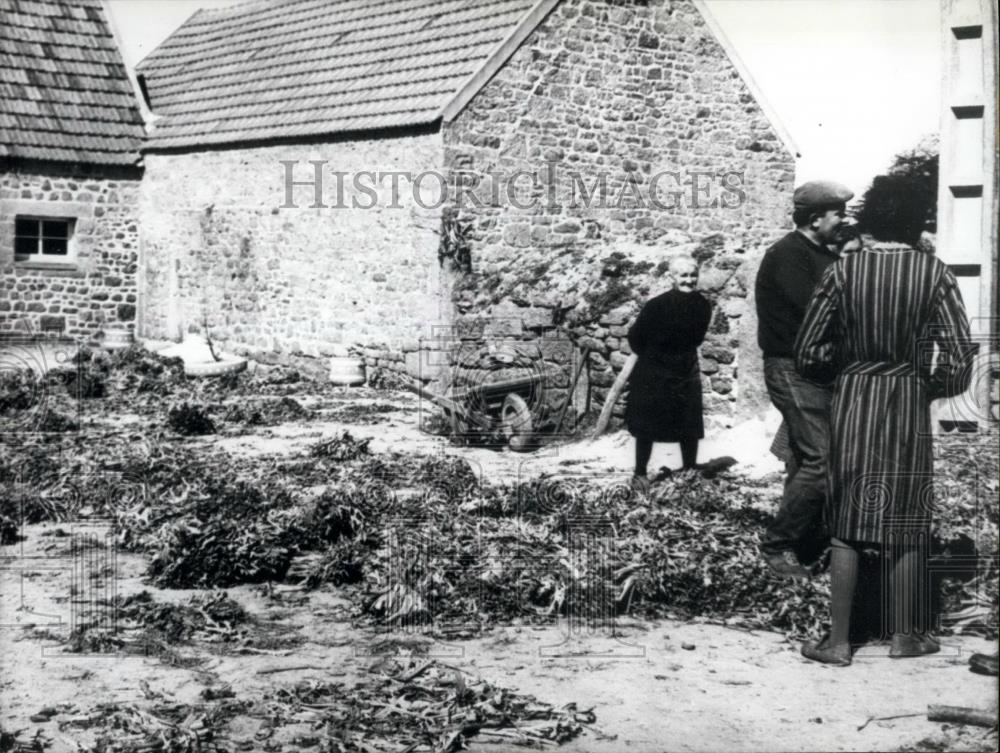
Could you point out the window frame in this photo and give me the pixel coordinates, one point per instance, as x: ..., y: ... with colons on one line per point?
x: 39, y: 257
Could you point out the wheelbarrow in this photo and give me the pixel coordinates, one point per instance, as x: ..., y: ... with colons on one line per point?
x: 500, y: 406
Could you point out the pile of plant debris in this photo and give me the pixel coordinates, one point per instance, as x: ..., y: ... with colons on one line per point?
x: 141, y: 381
x: 194, y: 419
x: 383, y: 379
x: 212, y: 616
x: 86, y: 380
x: 341, y: 447
x: 19, y: 390
x: 420, y: 539
x: 33, y: 403
x: 266, y: 412
x: 162, y: 726
x: 22, y: 741
x: 63, y: 477
x: 466, y: 557
x: 966, y: 532
x: 427, y: 707
x: 210, y: 522
x: 360, y: 413
x: 137, y: 370
x: 190, y: 420
x: 176, y: 632
x: 222, y: 532
x: 399, y: 705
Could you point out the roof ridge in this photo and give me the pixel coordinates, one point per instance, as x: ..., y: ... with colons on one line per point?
x: 190, y: 29
x: 250, y: 6
x: 236, y: 5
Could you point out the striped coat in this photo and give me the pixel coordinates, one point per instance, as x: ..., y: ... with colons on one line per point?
x: 890, y: 326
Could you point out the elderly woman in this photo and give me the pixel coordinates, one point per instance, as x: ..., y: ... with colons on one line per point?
x: 664, y: 401
x: 891, y: 327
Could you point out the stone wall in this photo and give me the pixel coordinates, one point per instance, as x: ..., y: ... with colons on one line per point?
x: 276, y: 277
x: 593, y: 293
x: 641, y: 96
x: 95, y: 288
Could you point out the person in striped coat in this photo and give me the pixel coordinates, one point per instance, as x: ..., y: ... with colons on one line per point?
x: 890, y: 327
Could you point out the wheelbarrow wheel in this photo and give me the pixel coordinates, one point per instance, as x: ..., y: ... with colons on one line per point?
x: 515, y: 422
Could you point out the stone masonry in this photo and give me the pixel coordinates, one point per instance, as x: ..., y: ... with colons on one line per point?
x: 617, y: 135
x: 97, y: 290
x: 642, y: 97
x: 279, y: 280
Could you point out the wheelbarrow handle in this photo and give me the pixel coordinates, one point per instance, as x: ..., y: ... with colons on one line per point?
x: 450, y: 405
x: 572, y: 389
x: 613, y: 393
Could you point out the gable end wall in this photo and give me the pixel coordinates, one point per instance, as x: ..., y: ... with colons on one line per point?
x: 627, y: 91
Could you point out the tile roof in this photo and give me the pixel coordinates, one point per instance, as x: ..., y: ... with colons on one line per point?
x: 293, y: 68
x: 64, y: 91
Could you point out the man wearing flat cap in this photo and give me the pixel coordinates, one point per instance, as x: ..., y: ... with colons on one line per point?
x: 788, y: 274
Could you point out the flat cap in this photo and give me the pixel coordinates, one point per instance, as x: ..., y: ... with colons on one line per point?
x: 821, y: 193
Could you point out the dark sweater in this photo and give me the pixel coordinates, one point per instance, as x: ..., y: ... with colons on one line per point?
x: 788, y: 274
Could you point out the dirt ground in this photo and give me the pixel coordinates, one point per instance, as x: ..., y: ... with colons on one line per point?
x: 654, y: 686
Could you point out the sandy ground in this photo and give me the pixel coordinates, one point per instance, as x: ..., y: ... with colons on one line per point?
x: 611, y: 455
x: 654, y: 686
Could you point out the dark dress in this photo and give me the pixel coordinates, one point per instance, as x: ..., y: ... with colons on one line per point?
x: 875, y: 322
x: 664, y: 399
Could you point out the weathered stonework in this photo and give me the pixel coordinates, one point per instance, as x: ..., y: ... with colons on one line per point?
x: 592, y: 294
x: 223, y: 247
x: 636, y: 96
x: 643, y: 95
x: 96, y: 289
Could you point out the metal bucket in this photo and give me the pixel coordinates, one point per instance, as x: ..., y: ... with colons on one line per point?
x: 347, y: 371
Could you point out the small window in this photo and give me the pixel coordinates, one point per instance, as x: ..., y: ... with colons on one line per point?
x: 44, y: 239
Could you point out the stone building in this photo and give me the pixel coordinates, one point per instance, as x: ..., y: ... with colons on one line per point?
x: 403, y: 177
x: 70, y: 128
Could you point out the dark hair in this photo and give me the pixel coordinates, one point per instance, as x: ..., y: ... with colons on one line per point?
x: 846, y: 233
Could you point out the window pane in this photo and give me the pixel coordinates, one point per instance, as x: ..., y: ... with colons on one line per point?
x: 55, y: 229
x: 24, y: 246
x: 26, y: 227
x: 55, y: 246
